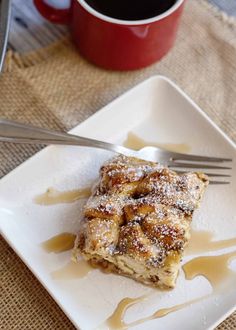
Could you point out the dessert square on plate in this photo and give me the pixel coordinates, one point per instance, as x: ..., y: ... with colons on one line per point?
x: 156, y: 110
x: 137, y: 221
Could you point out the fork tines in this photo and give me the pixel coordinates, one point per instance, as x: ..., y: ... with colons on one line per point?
x: 198, y: 158
x: 178, y: 166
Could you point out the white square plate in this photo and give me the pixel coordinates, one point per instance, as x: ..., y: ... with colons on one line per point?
x: 157, y: 110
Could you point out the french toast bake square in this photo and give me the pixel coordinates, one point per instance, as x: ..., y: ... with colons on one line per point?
x: 137, y: 220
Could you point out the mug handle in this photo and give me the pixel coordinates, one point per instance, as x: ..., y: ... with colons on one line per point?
x: 54, y: 15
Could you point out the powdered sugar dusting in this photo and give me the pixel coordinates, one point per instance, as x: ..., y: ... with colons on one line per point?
x: 141, y: 210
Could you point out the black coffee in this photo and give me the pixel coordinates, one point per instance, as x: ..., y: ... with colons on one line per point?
x: 131, y: 9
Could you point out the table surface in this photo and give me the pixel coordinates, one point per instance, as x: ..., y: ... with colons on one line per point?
x: 29, y: 31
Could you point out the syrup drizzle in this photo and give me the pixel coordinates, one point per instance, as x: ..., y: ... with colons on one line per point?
x: 201, y: 241
x: 116, y: 320
x: 53, y: 196
x: 135, y: 142
x: 72, y: 271
x: 213, y: 268
x: 59, y: 243
x: 205, y: 266
x: 201, y: 266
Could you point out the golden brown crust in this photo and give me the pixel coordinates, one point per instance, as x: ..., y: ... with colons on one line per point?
x: 138, y: 218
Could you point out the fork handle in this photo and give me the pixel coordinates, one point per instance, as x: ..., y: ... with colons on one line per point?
x: 11, y: 131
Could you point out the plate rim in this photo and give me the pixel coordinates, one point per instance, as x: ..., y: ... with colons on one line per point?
x: 93, y: 117
x: 120, y: 97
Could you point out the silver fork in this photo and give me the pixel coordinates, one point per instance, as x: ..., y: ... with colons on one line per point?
x: 15, y: 132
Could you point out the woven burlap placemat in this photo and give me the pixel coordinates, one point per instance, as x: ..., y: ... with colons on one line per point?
x: 56, y: 88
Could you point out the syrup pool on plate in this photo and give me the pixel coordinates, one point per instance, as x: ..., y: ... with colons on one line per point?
x: 59, y: 243
x: 135, y: 142
x: 53, y: 196
x: 200, y: 266
x: 202, y: 241
x: 72, y: 270
x: 214, y: 268
x: 116, y: 320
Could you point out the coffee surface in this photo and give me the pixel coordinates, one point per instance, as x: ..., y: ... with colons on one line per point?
x: 131, y: 9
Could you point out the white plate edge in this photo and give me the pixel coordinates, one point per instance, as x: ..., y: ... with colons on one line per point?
x: 40, y: 279
x: 92, y: 117
x: 99, y: 112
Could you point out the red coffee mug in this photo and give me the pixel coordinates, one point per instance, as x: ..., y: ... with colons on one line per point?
x: 113, y: 43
